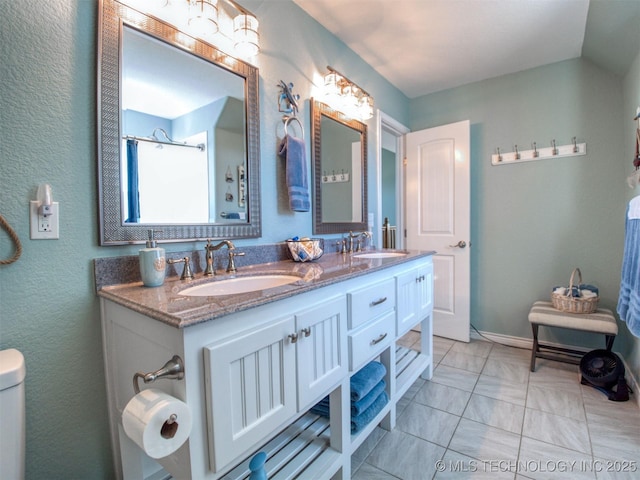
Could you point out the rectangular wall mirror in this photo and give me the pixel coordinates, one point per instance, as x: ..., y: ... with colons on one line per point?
x: 178, y: 134
x: 339, y: 158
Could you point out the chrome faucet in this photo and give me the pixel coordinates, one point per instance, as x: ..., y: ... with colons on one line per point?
x: 358, y: 243
x: 209, y: 249
x: 187, y: 274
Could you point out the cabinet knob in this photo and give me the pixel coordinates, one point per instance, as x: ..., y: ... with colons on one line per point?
x: 306, y: 331
x: 379, y: 339
x: 378, y: 302
x: 293, y: 337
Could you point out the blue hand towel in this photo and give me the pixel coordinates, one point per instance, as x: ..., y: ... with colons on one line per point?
x: 629, y: 298
x: 362, y: 420
x: 357, y: 408
x: 322, y: 407
x: 293, y: 151
x: 365, y: 379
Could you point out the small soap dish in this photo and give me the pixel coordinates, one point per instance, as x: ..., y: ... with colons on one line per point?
x: 305, y: 249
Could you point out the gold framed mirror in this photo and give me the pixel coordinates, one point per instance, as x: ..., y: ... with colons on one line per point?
x: 339, y: 159
x: 210, y: 191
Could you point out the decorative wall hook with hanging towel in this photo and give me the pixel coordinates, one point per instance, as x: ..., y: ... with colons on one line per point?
x: 629, y: 297
x: 292, y: 150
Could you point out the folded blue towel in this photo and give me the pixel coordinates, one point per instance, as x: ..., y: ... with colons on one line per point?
x: 629, y: 297
x: 365, y: 379
x: 591, y: 288
x: 322, y: 407
x: 357, y: 408
x: 362, y: 420
x: 293, y: 151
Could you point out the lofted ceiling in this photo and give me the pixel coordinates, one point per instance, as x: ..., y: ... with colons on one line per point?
x: 424, y: 46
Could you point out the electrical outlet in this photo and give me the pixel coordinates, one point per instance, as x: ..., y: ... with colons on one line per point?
x: 44, y: 228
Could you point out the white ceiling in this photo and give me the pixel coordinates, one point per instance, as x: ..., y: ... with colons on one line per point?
x: 424, y: 46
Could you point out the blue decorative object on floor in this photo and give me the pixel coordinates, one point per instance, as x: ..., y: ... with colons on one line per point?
x: 256, y: 465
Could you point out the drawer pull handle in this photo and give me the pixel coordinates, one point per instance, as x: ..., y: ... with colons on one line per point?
x: 379, y: 339
x: 378, y: 302
x: 293, y: 337
x: 306, y: 331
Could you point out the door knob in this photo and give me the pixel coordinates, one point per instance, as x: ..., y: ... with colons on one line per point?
x: 460, y: 244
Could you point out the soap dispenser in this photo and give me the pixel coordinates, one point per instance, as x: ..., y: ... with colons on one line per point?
x: 152, y: 263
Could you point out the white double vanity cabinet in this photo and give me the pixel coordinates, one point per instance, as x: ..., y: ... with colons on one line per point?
x: 255, y: 363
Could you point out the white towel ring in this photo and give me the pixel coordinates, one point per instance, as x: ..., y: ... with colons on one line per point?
x: 286, y: 124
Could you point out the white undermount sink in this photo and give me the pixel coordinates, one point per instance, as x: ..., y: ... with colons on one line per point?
x: 380, y: 255
x: 232, y: 286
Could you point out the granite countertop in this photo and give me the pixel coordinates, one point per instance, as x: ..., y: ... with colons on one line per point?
x: 165, y: 303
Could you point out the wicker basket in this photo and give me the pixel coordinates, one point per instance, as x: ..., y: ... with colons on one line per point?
x: 565, y: 302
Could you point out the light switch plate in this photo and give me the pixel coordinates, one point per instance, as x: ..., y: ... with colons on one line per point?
x: 44, y: 228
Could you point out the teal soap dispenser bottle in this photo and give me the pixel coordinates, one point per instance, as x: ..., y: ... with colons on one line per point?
x: 152, y: 263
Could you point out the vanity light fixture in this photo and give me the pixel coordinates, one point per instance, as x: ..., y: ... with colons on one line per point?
x: 203, y: 17
x: 345, y: 96
x: 222, y: 23
x: 245, y: 34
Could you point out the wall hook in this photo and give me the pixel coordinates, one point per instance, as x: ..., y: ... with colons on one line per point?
x: 536, y: 154
x: 554, y: 150
x: 287, y: 101
x: 499, y: 154
x: 517, y: 154
x: 575, y: 145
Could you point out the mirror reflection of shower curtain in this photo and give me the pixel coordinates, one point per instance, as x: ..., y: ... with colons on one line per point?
x: 133, y: 196
x: 173, y: 184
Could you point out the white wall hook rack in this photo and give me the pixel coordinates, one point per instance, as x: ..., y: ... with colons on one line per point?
x: 555, y: 151
x: 335, y: 177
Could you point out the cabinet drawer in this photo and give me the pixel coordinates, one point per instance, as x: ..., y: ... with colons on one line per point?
x: 371, y: 301
x: 371, y: 340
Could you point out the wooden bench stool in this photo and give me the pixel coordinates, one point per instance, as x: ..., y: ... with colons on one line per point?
x: 543, y: 313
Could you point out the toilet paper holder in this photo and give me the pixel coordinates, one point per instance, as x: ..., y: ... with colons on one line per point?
x: 173, y: 370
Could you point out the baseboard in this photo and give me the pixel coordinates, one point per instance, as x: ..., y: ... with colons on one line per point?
x: 520, y: 342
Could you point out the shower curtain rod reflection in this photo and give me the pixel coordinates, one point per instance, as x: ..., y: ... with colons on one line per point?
x: 168, y: 141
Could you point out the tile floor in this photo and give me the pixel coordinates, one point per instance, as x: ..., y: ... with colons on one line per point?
x: 485, y: 415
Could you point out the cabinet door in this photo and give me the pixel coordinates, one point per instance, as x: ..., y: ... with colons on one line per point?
x: 321, y: 349
x: 414, y: 297
x: 406, y: 291
x: 425, y: 290
x: 250, y: 388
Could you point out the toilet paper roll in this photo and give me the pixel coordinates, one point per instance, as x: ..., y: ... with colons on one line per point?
x: 157, y: 422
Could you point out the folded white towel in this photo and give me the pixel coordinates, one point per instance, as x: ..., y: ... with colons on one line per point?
x: 634, y: 208
x: 587, y: 294
x: 560, y: 290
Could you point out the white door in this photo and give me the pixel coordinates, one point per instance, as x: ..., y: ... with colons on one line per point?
x: 437, y: 218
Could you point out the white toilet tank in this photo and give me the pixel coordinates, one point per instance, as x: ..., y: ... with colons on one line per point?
x: 12, y: 416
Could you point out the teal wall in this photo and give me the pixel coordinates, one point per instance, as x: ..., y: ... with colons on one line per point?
x: 532, y: 223
x: 48, y: 308
x: 388, y: 186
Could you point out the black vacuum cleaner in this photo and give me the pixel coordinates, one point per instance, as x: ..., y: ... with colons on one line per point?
x: 604, y: 371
